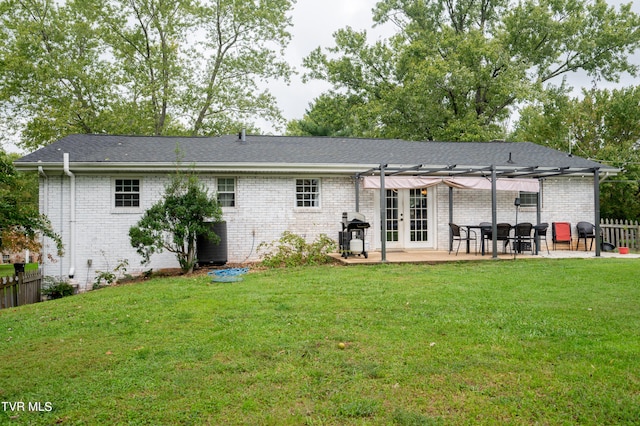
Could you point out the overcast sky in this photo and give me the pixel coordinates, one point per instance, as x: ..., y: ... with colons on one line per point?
x: 315, y: 21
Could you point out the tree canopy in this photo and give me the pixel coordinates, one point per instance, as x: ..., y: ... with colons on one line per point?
x: 20, y: 221
x: 456, y: 69
x: 603, y: 125
x: 138, y: 66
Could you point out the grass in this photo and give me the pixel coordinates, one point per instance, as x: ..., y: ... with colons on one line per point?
x: 525, y: 342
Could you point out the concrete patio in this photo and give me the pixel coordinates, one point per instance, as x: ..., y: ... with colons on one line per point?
x: 433, y: 257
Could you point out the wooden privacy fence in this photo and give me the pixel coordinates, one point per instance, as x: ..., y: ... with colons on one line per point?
x: 621, y: 233
x: 22, y: 289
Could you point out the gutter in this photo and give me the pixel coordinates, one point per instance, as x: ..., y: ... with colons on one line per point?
x: 72, y: 216
x: 271, y: 168
x: 45, y: 202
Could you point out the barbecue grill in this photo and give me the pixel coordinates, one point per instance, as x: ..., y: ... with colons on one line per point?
x: 351, y: 238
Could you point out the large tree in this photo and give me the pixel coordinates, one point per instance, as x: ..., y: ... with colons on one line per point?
x: 138, y: 66
x: 603, y: 125
x: 456, y: 69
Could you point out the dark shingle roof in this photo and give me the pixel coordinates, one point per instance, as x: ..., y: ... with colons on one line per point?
x: 229, y: 150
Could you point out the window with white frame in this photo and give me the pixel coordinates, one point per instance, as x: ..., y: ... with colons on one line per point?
x: 127, y: 193
x: 307, y: 192
x: 226, y: 192
x: 528, y: 199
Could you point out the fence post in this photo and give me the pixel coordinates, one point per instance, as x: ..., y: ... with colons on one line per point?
x: 16, y: 288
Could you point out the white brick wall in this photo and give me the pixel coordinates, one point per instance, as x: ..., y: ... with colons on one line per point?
x: 265, y: 207
x: 102, y: 234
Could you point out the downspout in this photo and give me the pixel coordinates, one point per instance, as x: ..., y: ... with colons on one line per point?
x: 72, y: 216
x: 45, y: 203
x: 357, y: 181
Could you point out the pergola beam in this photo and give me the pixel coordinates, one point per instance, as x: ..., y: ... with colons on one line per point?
x: 453, y: 170
x: 383, y: 216
x: 436, y: 170
x: 409, y: 169
x: 468, y: 171
x: 596, y: 201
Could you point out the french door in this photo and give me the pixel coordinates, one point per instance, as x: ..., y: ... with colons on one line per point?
x: 409, y: 218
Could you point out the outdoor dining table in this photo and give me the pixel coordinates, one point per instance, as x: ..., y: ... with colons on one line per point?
x: 486, y: 229
x: 536, y: 236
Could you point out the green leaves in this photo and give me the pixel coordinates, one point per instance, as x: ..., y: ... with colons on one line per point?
x: 558, y: 36
x: 602, y: 125
x: 457, y: 69
x: 147, y: 67
x: 20, y: 220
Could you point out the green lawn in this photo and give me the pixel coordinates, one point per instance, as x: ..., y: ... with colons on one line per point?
x: 7, y: 269
x: 519, y: 342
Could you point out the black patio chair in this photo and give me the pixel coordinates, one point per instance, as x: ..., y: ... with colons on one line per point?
x: 460, y: 235
x: 522, y: 235
x: 504, y: 234
x: 541, y: 232
x: 586, y: 231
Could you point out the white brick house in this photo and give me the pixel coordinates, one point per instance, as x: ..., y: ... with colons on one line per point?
x: 270, y: 184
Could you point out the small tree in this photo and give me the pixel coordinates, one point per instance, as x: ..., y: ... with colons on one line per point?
x: 174, y: 222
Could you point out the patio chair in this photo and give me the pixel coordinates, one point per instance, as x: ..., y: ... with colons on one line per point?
x: 522, y: 235
x: 541, y: 232
x: 504, y: 231
x: 561, y: 233
x: 586, y: 231
x: 460, y: 235
x: 485, y: 235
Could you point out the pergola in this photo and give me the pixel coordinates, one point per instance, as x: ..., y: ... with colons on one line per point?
x: 497, y: 177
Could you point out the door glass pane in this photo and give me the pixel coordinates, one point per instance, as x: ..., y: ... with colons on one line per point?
x: 392, y: 215
x: 418, y: 218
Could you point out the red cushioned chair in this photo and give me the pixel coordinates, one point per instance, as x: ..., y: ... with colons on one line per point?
x: 561, y: 233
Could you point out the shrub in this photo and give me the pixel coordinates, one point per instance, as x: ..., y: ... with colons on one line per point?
x: 293, y: 250
x: 56, y: 288
x: 109, y: 277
